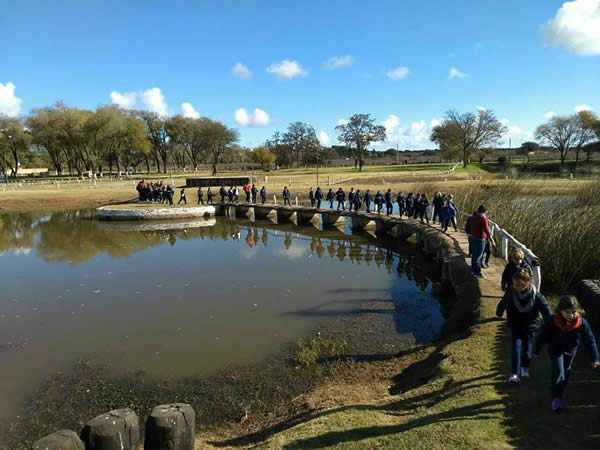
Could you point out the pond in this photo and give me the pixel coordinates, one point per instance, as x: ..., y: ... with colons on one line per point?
x: 183, y: 298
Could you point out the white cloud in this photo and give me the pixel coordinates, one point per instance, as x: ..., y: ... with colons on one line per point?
x: 324, y: 139
x: 391, y: 123
x: 155, y: 101
x: 549, y: 114
x: 258, y: 118
x: 189, y: 111
x: 10, y: 104
x: 239, y: 70
x: 399, y: 73
x: 338, y: 62
x: 514, y: 130
x: 295, y: 251
x: 482, y: 108
x: 342, y: 121
x: 576, y: 26
x: 434, y: 123
x: 455, y: 73
x: 579, y: 108
x: 286, y: 70
x: 126, y: 100
x: 503, y: 121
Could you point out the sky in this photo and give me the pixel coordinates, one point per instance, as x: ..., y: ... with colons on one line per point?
x: 259, y: 65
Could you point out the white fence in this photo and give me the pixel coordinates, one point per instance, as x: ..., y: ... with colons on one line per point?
x: 507, y: 238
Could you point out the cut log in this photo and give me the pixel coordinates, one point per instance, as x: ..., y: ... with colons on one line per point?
x: 171, y: 427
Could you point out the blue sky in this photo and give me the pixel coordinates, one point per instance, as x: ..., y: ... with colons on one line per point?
x: 394, y: 60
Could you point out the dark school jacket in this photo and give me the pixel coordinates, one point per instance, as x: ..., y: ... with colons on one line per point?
x: 388, y: 197
x: 560, y: 341
x: 368, y: 198
x: 378, y: 199
x: 528, y: 320
x: 510, y: 270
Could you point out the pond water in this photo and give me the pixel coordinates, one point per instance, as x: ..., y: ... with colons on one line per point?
x: 187, y: 297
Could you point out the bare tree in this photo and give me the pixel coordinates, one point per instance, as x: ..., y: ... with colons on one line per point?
x: 561, y: 133
x: 468, y: 132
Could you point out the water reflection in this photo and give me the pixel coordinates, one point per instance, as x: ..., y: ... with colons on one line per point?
x: 183, y: 298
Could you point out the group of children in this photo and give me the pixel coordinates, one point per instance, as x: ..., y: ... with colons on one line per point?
x: 155, y: 192
x: 562, y: 331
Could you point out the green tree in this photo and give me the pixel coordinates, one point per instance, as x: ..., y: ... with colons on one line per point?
x: 45, y: 124
x: 301, y: 139
x: 264, y: 157
x: 158, y: 137
x: 283, y: 153
x: 14, y: 143
x: 527, y: 148
x: 358, y: 134
x: 468, y: 132
x: 219, y: 139
x: 587, y: 124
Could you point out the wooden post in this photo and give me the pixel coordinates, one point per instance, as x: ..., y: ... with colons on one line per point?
x: 274, y: 199
x: 171, y: 426
x: 59, y: 440
x: 118, y: 429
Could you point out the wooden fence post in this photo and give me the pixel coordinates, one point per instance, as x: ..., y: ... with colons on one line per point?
x: 171, y: 426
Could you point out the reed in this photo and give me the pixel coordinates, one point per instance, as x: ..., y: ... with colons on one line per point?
x: 563, y: 231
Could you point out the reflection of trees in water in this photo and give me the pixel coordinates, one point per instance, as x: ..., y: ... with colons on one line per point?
x: 77, y: 236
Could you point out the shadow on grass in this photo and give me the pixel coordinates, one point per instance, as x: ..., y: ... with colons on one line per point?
x: 531, y: 422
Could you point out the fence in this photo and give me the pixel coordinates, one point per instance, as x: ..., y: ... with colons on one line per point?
x: 507, y: 238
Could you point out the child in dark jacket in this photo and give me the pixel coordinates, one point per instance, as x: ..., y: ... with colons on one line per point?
x: 517, y: 262
x: 523, y: 305
x: 563, y: 333
x: 447, y: 213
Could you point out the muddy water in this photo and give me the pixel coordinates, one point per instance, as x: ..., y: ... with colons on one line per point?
x: 187, y: 297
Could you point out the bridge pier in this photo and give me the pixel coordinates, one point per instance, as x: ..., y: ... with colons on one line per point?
x: 221, y: 209
x: 242, y: 209
x: 304, y: 216
x: 284, y: 214
x: 329, y: 218
x: 384, y: 225
x: 360, y: 221
x: 262, y: 211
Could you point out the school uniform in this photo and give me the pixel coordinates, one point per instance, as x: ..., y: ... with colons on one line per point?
x: 318, y: 197
x: 286, y: 197
x: 350, y: 200
x: 200, y: 196
x: 423, y: 205
x: 368, y: 201
x: 379, y: 202
x: 253, y: 192
x: 510, y: 270
x: 340, y: 196
x: 263, y: 195
x: 389, y: 205
x: 311, y: 197
x: 563, y: 339
x: 182, y: 198
x: 330, y: 197
x: 410, y: 204
x: 401, y: 200
x: 357, y: 202
x: 522, y: 315
x: 209, y: 197
x: 446, y: 215
x: 438, y: 204
x: 222, y: 193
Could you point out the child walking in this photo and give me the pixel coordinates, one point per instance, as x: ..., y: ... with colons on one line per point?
x: 563, y: 333
x: 182, y: 197
x: 517, y: 262
x: 523, y: 305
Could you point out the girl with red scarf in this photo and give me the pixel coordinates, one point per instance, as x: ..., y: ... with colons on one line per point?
x: 563, y: 334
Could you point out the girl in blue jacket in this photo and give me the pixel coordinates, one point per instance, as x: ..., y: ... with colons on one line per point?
x: 563, y: 333
x: 523, y: 305
x: 447, y: 213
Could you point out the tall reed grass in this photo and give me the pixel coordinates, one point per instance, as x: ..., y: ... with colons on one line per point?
x: 564, y: 233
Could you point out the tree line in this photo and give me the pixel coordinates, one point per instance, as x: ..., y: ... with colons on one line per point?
x: 464, y: 135
x: 82, y: 141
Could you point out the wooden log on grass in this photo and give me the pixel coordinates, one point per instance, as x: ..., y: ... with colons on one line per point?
x: 171, y: 427
x: 59, y: 440
x: 118, y: 429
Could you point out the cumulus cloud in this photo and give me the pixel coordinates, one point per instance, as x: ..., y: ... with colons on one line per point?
x: 549, y: 114
x: 399, y: 73
x: 579, y: 108
x: 189, y: 111
x: 125, y: 100
x: 514, y: 130
x: 239, y: 70
x: 258, y: 118
x: 324, y: 139
x: 342, y: 121
x: 155, y: 101
x: 434, y: 123
x: 338, y: 62
x: 391, y: 123
x: 455, y: 73
x: 482, y: 108
x: 286, y: 70
x: 576, y: 27
x: 10, y: 104
x: 414, y: 135
x: 503, y: 121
